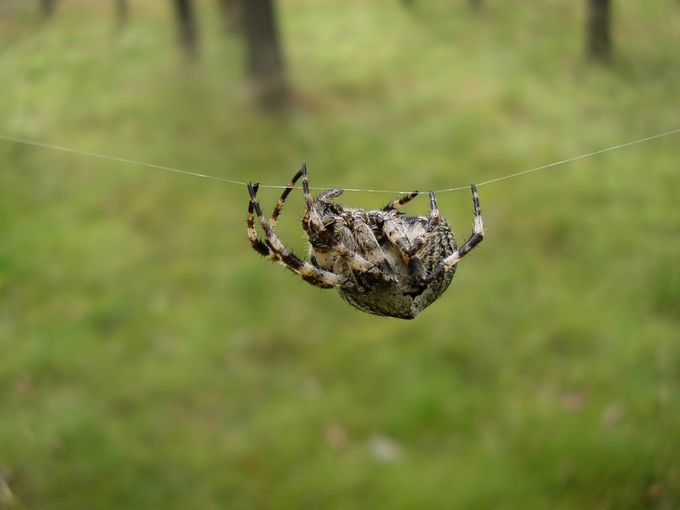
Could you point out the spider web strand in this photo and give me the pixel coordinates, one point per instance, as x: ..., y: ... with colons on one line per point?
x: 575, y: 158
x: 356, y: 190
x: 115, y: 158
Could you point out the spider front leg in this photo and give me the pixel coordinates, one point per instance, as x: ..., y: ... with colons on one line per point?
x: 396, y: 204
x: 273, y: 249
x: 476, y: 238
x: 257, y: 244
x: 282, y: 199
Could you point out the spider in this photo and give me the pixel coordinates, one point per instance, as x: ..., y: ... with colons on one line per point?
x: 381, y: 262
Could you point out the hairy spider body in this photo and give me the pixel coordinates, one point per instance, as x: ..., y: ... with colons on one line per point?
x: 382, y: 262
x: 412, y: 294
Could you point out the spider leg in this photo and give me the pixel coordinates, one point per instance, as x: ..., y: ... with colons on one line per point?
x: 432, y: 222
x: 396, y: 233
x: 322, y: 259
x: 306, y: 218
x: 476, y: 238
x: 273, y: 249
x: 282, y: 199
x: 311, y: 214
x: 255, y: 241
x: 396, y: 204
x: 372, y: 261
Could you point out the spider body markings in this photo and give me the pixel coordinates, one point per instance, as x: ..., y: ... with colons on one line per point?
x: 382, y: 262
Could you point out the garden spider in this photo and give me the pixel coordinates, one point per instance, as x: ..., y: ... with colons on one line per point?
x: 382, y: 262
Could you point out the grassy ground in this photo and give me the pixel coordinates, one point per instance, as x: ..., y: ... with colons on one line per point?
x: 150, y: 359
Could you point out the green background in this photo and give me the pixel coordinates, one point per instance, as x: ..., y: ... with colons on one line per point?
x: 149, y: 358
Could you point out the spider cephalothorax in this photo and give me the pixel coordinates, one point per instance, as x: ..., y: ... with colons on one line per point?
x: 382, y: 262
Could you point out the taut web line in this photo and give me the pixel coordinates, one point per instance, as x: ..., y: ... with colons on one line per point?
x: 241, y: 183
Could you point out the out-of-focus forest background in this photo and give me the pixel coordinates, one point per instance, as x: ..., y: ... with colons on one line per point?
x: 149, y: 358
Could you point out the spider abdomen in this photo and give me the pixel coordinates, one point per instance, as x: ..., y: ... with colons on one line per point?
x: 410, y: 294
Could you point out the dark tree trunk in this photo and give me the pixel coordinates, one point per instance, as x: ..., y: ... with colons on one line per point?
x: 476, y: 4
x: 265, y: 64
x: 231, y: 14
x: 599, y: 30
x: 188, y: 37
x: 122, y: 12
x: 47, y: 7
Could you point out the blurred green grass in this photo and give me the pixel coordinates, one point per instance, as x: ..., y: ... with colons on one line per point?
x: 151, y: 359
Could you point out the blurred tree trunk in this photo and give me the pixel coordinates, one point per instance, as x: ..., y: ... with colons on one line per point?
x: 122, y: 12
x: 265, y: 63
x: 47, y: 7
x: 188, y: 37
x: 231, y: 14
x: 599, y: 30
x: 476, y: 4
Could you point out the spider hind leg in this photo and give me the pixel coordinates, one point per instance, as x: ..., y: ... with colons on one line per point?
x: 477, y: 237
